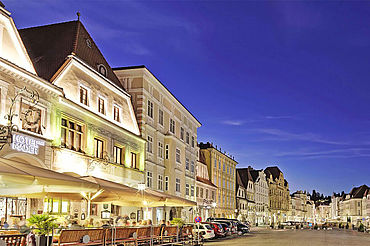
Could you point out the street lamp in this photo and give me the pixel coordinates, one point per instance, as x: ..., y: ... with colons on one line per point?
x: 214, y: 208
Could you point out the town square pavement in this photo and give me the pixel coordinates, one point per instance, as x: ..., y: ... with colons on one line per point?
x: 269, y: 237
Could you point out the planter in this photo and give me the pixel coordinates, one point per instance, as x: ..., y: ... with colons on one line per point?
x: 43, y: 240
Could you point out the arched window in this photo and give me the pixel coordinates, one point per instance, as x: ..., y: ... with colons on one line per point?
x: 102, y: 70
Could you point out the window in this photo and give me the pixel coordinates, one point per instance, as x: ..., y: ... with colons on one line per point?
x: 215, y: 163
x: 192, y: 166
x: 133, y: 160
x: 187, y: 164
x: 192, y: 191
x: 178, y: 156
x: 166, y: 182
x: 117, y: 155
x: 213, y: 195
x: 160, y: 117
x: 56, y: 206
x: 197, y: 191
x: 219, y: 164
x: 192, y: 141
x: 72, y: 134
x: 172, y: 126
x: 206, y: 193
x: 150, y: 109
x: 101, y: 105
x: 187, y: 189
x: 149, y: 179
x: 99, y: 148
x: 167, y: 152
x: 102, y: 70
x: 160, y: 182
x: 150, y: 144
x: 116, y: 113
x: 178, y: 185
x: 83, y: 96
x: 182, y: 133
x: 201, y: 192
x: 160, y: 149
x: 187, y: 137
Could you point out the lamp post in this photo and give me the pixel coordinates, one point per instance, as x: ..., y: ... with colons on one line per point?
x: 214, y: 209
x: 6, y: 131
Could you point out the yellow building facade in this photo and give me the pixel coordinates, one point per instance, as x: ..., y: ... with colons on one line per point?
x: 222, y: 172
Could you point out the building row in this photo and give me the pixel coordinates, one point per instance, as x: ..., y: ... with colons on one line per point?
x: 98, y: 142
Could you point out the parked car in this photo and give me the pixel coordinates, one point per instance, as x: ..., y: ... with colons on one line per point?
x: 226, y: 227
x: 242, y: 228
x: 230, y: 223
x: 217, y: 228
x: 204, y: 230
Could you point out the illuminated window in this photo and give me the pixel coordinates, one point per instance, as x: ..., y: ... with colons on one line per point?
x: 172, y: 126
x: 99, y: 148
x: 150, y: 144
x: 101, y: 105
x: 160, y: 149
x: 150, y: 109
x: 102, y: 70
x: 178, y: 187
x: 116, y: 113
x: 72, y: 135
x: 160, y: 182
x: 167, y: 152
x: 84, y: 96
x: 166, y: 182
x: 56, y: 206
x: 160, y: 117
x: 149, y: 179
x: 182, y: 133
x: 117, y: 155
x: 133, y: 160
x: 178, y: 156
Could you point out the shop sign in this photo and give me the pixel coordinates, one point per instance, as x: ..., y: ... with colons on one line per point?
x: 26, y: 144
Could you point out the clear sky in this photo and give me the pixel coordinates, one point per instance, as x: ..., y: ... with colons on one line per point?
x: 273, y: 83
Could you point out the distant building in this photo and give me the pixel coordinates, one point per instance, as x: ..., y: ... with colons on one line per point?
x: 353, y: 207
x: 246, y: 205
x: 278, y: 194
x: 221, y: 170
x: 261, y: 196
x: 205, y: 190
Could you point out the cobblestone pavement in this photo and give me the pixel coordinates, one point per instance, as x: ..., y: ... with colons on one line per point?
x: 297, y: 238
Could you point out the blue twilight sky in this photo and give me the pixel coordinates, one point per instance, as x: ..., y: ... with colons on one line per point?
x: 273, y: 83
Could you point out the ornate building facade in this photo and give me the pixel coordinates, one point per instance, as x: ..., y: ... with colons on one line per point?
x: 171, y: 134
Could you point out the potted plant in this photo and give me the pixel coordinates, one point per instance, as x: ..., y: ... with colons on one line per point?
x: 43, y: 225
x: 177, y: 221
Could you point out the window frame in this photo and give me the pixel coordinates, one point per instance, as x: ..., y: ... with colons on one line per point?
x: 118, y: 108
x: 101, y: 107
x: 150, y: 109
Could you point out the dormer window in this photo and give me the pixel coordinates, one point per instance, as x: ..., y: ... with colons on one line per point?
x: 102, y: 70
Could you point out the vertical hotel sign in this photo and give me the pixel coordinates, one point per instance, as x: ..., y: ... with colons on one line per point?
x: 26, y: 144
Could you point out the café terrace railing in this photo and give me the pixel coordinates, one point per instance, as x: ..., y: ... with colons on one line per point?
x: 110, y: 236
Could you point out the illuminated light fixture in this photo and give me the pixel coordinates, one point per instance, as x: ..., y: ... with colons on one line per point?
x: 145, y: 203
x: 214, y: 204
x: 105, y: 214
x: 141, y: 186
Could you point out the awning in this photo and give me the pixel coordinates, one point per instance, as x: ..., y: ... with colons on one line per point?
x: 26, y: 180
x: 121, y: 194
x: 170, y: 200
